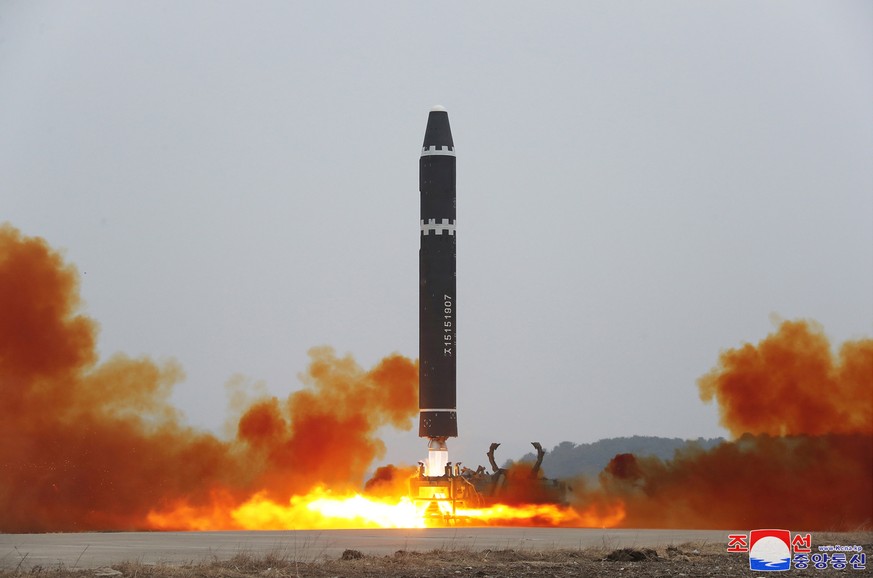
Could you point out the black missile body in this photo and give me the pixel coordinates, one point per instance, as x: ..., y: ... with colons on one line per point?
x: 437, y: 303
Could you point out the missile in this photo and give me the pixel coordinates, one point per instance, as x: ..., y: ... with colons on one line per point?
x: 437, y: 343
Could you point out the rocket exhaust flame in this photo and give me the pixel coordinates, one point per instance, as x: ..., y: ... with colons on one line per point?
x: 437, y: 457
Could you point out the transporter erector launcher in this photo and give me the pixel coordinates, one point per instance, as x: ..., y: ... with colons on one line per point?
x: 437, y: 306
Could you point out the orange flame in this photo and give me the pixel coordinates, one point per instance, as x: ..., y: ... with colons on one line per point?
x: 545, y: 515
x: 322, y: 509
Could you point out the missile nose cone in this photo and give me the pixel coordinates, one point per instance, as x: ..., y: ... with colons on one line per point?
x: 438, y: 132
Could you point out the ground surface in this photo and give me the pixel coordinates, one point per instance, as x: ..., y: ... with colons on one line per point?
x: 537, y: 554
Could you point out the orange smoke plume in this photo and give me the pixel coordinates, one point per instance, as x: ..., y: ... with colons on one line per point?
x: 87, y: 445
x: 804, y: 458
x: 325, y: 434
x: 754, y: 482
x: 792, y: 384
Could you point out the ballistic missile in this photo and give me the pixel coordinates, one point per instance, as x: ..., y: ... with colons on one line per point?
x: 437, y: 342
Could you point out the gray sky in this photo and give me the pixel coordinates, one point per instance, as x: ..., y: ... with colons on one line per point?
x: 640, y: 185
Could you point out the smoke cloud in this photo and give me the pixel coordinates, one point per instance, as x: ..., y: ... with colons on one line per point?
x: 792, y: 384
x: 86, y: 445
x: 803, y: 457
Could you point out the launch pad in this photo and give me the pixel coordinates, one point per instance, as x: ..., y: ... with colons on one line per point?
x: 450, y: 497
x: 444, y: 498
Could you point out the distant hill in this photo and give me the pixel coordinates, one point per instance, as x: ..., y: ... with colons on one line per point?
x: 568, y: 460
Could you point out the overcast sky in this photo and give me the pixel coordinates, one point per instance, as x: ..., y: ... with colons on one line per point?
x: 640, y: 186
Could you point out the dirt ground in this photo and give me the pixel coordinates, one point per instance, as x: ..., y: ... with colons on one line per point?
x: 688, y: 559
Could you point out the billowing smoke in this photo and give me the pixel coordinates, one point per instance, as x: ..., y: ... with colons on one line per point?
x: 87, y: 445
x: 90, y: 445
x: 803, y: 454
x: 324, y: 434
x: 792, y: 384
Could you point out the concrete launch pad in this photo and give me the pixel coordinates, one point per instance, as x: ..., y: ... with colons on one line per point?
x: 94, y: 550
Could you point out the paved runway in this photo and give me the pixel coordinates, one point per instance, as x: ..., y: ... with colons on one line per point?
x: 89, y: 550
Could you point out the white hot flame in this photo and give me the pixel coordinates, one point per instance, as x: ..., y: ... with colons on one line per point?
x: 436, y: 462
x: 437, y: 457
